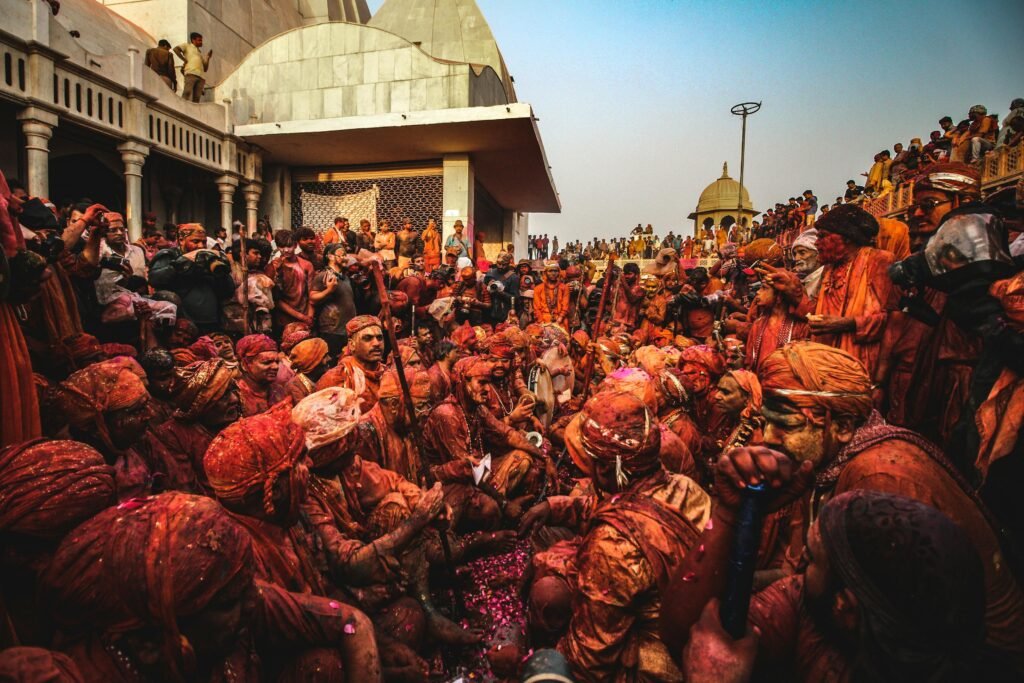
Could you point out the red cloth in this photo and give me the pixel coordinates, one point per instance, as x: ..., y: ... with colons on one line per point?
x: 252, y: 345
x: 47, y: 487
x: 252, y: 453
x: 19, y: 406
x: 89, y: 394
x: 36, y: 665
x: 150, y: 562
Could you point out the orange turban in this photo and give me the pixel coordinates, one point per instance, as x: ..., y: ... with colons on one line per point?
x: 763, y: 249
x: 308, y: 354
x: 360, y: 323
x: 811, y: 375
x: 751, y: 387
x: 87, y: 395
x: 186, y: 230
x: 199, y: 385
x: 250, y: 455
x: 419, y: 384
x: 49, y: 487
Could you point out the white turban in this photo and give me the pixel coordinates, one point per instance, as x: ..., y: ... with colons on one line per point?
x: 807, y: 239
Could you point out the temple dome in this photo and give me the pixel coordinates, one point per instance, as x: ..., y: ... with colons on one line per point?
x: 722, y: 194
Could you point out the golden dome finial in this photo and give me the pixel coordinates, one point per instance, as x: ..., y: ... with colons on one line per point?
x: 725, y: 169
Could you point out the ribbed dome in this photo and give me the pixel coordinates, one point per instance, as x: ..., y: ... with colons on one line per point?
x: 722, y: 194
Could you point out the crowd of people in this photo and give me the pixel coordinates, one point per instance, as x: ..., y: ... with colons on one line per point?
x: 278, y: 455
x: 966, y: 142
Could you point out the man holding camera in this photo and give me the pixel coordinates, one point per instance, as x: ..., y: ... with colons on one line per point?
x: 118, y: 260
x: 200, y: 276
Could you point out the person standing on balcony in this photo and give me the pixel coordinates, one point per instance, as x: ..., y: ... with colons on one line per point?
x: 195, y: 66
x: 160, y: 60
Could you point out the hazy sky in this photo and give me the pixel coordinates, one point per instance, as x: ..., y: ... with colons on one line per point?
x: 633, y: 96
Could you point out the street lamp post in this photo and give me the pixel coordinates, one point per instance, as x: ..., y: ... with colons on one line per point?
x: 744, y: 109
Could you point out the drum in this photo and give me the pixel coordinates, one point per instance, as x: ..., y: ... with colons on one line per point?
x: 539, y: 382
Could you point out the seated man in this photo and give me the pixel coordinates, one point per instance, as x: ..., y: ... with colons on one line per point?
x: 818, y: 407
x: 207, y: 400
x: 638, y: 529
x: 259, y: 362
x: 360, y: 369
x: 201, y: 277
x: 481, y: 461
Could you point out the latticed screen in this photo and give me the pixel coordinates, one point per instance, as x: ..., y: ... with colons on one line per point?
x: 416, y: 197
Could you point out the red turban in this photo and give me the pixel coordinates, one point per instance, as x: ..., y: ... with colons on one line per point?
x: 251, y: 454
x: 251, y: 346
x: 37, y: 665
x: 115, y: 350
x: 82, y: 347
x: 464, y: 337
x: 204, y: 348
x: 149, y: 562
x: 952, y: 177
x: 294, y: 327
x: 703, y: 355
x: 360, y: 323
x: 811, y: 375
x: 48, y: 487
x: 186, y: 230
x: 617, y: 427
x: 87, y: 395
x: 500, y: 347
x: 292, y: 339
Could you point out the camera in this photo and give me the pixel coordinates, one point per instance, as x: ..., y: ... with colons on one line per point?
x: 113, y: 262
x: 210, y: 260
x: 495, y: 286
x: 49, y: 248
x: 910, y: 273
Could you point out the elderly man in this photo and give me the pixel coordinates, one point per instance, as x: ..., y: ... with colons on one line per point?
x: 818, y: 407
x: 207, y: 400
x: 805, y: 262
x: 551, y: 298
x: 259, y: 361
x: 199, y: 276
x: 637, y: 530
x: 856, y: 292
x: 362, y: 368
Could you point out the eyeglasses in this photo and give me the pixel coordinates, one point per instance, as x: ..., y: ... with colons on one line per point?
x: 928, y: 204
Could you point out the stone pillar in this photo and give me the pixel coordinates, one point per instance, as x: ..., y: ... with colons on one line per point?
x: 252, y: 205
x: 37, y: 125
x: 457, y: 194
x: 133, y: 154
x: 226, y: 185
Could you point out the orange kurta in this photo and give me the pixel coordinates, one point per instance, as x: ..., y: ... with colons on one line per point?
x: 19, y: 406
x: 859, y: 288
x: 550, y: 303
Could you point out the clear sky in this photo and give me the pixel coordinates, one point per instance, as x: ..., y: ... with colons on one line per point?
x: 633, y: 96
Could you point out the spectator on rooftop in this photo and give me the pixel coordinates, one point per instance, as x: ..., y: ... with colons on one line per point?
x: 1014, y: 119
x: 195, y: 67
x: 161, y: 61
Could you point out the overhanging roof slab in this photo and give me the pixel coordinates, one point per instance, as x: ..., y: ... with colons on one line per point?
x: 503, y: 142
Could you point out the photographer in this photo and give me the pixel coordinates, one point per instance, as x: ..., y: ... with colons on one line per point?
x: 503, y: 284
x: 199, y: 276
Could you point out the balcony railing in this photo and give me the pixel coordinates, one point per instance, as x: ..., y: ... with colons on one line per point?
x: 1002, y: 166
